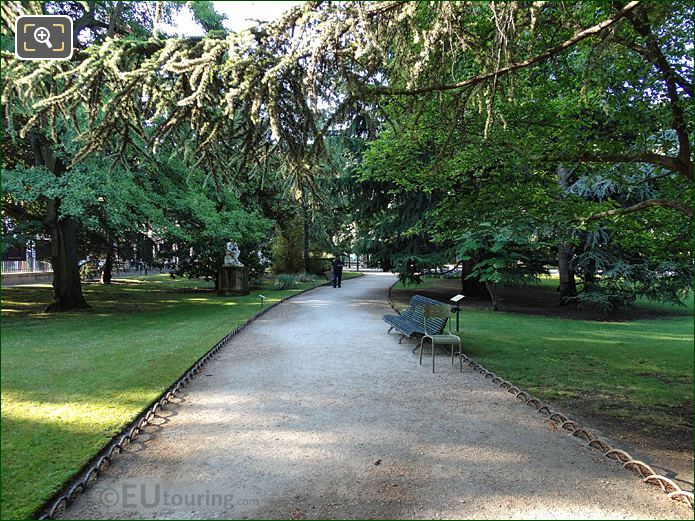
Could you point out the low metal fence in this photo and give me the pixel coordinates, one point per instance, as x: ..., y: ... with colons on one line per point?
x: 20, y: 266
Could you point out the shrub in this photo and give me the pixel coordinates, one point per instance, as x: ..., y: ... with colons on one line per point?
x: 305, y: 277
x: 287, y: 251
x: 285, y: 281
x: 256, y: 282
x: 319, y: 265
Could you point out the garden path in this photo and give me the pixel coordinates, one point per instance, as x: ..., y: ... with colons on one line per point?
x: 313, y: 411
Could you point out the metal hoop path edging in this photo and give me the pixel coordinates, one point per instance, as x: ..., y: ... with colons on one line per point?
x: 668, y: 486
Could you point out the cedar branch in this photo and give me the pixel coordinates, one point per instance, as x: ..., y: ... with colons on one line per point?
x: 649, y: 203
x: 578, y: 37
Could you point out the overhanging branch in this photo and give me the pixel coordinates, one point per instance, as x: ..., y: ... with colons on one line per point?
x: 578, y: 37
x: 670, y: 163
x: 649, y: 203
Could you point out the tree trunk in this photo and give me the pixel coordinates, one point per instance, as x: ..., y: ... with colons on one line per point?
x: 589, y: 281
x: 493, y: 296
x: 67, y: 287
x: 568, y: 287
x: 305, y: 229
x: 470, y: 287
x: 107, y: 271
x: 385, y: 263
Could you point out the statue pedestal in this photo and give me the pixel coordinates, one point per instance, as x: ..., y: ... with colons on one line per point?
x: 232, y: 280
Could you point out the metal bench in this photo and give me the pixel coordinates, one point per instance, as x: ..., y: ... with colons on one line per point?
x: 412, y: 321
x: 446, y: 338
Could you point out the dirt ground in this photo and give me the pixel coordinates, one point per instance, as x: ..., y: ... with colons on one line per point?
x: 314, y: 411
x: 530, y: 300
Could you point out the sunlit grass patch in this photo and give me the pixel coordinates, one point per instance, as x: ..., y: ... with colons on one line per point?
x: 71, y: 381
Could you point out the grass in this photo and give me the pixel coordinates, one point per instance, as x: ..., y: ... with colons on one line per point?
x: 640, y: 370
x: 71, y: 381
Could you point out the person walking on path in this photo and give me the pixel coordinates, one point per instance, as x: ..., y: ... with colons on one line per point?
x: 337, y: 271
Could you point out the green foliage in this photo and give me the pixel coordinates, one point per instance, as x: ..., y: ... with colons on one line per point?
x: 616, y: 276
x: 303, y: 278
x: 502, y: 255
x: 432, y: 160
x: 285, y: 281
x: 205, y: 14
x: 287, y: 250
x: 318, y: 265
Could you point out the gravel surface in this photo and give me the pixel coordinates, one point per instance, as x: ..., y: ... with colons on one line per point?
x: 314, y: 411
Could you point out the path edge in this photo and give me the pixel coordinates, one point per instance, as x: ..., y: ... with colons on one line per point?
x: 644, y: 471
x: 87, y: 475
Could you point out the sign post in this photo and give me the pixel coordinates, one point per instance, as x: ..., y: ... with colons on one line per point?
x: 457, y: 309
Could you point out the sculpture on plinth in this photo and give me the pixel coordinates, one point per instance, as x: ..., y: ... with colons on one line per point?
x: 232, y: 276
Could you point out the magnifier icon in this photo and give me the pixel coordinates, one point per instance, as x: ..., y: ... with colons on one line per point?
x: 43, y: 35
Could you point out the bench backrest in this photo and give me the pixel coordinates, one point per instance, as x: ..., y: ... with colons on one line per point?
x: 432, y: 313
x: 416, y: 313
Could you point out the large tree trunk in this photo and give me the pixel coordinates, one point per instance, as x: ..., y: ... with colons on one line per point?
x: 305, y: 228
x: 107, y: 271
x: 67, y: 287
x: 471, y: 287
x: 568, y: 287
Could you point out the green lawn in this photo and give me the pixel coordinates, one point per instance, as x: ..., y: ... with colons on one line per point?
x: 641, y: 370
x: 71, y: 381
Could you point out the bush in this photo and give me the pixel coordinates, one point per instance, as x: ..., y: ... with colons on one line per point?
x: 319, y: 265
x: 285, y: 281
x: 305, y: 277
x: 256, y: 282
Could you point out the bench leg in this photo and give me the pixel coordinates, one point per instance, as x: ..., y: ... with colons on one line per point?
x: 432, y: 356
x: 421, y: 341
x: 460, y: 356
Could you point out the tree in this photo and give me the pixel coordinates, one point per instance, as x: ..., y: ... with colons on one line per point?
x: 501, y: 256
x: 517, y: 80
x: 56, y: 168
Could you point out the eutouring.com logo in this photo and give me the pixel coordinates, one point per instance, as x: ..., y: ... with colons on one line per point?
x: 43, y: 37
x: 146, y: 496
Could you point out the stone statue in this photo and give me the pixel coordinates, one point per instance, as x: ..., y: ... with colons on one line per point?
x: 231, y: 257
x: 232, y: 276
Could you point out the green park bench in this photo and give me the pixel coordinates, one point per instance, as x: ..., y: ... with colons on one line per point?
x: 411, y: 322
x: 436, y: 337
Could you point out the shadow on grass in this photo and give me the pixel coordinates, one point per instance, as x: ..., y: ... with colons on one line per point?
x: 123, y: 298
x: 50, y: 454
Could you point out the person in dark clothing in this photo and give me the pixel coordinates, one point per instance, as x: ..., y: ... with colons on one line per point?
x: 337, y: 271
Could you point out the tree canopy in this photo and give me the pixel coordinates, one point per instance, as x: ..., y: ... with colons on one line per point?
x: 503, y: 136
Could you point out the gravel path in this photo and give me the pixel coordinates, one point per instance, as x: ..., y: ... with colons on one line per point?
x: 314, y: 411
